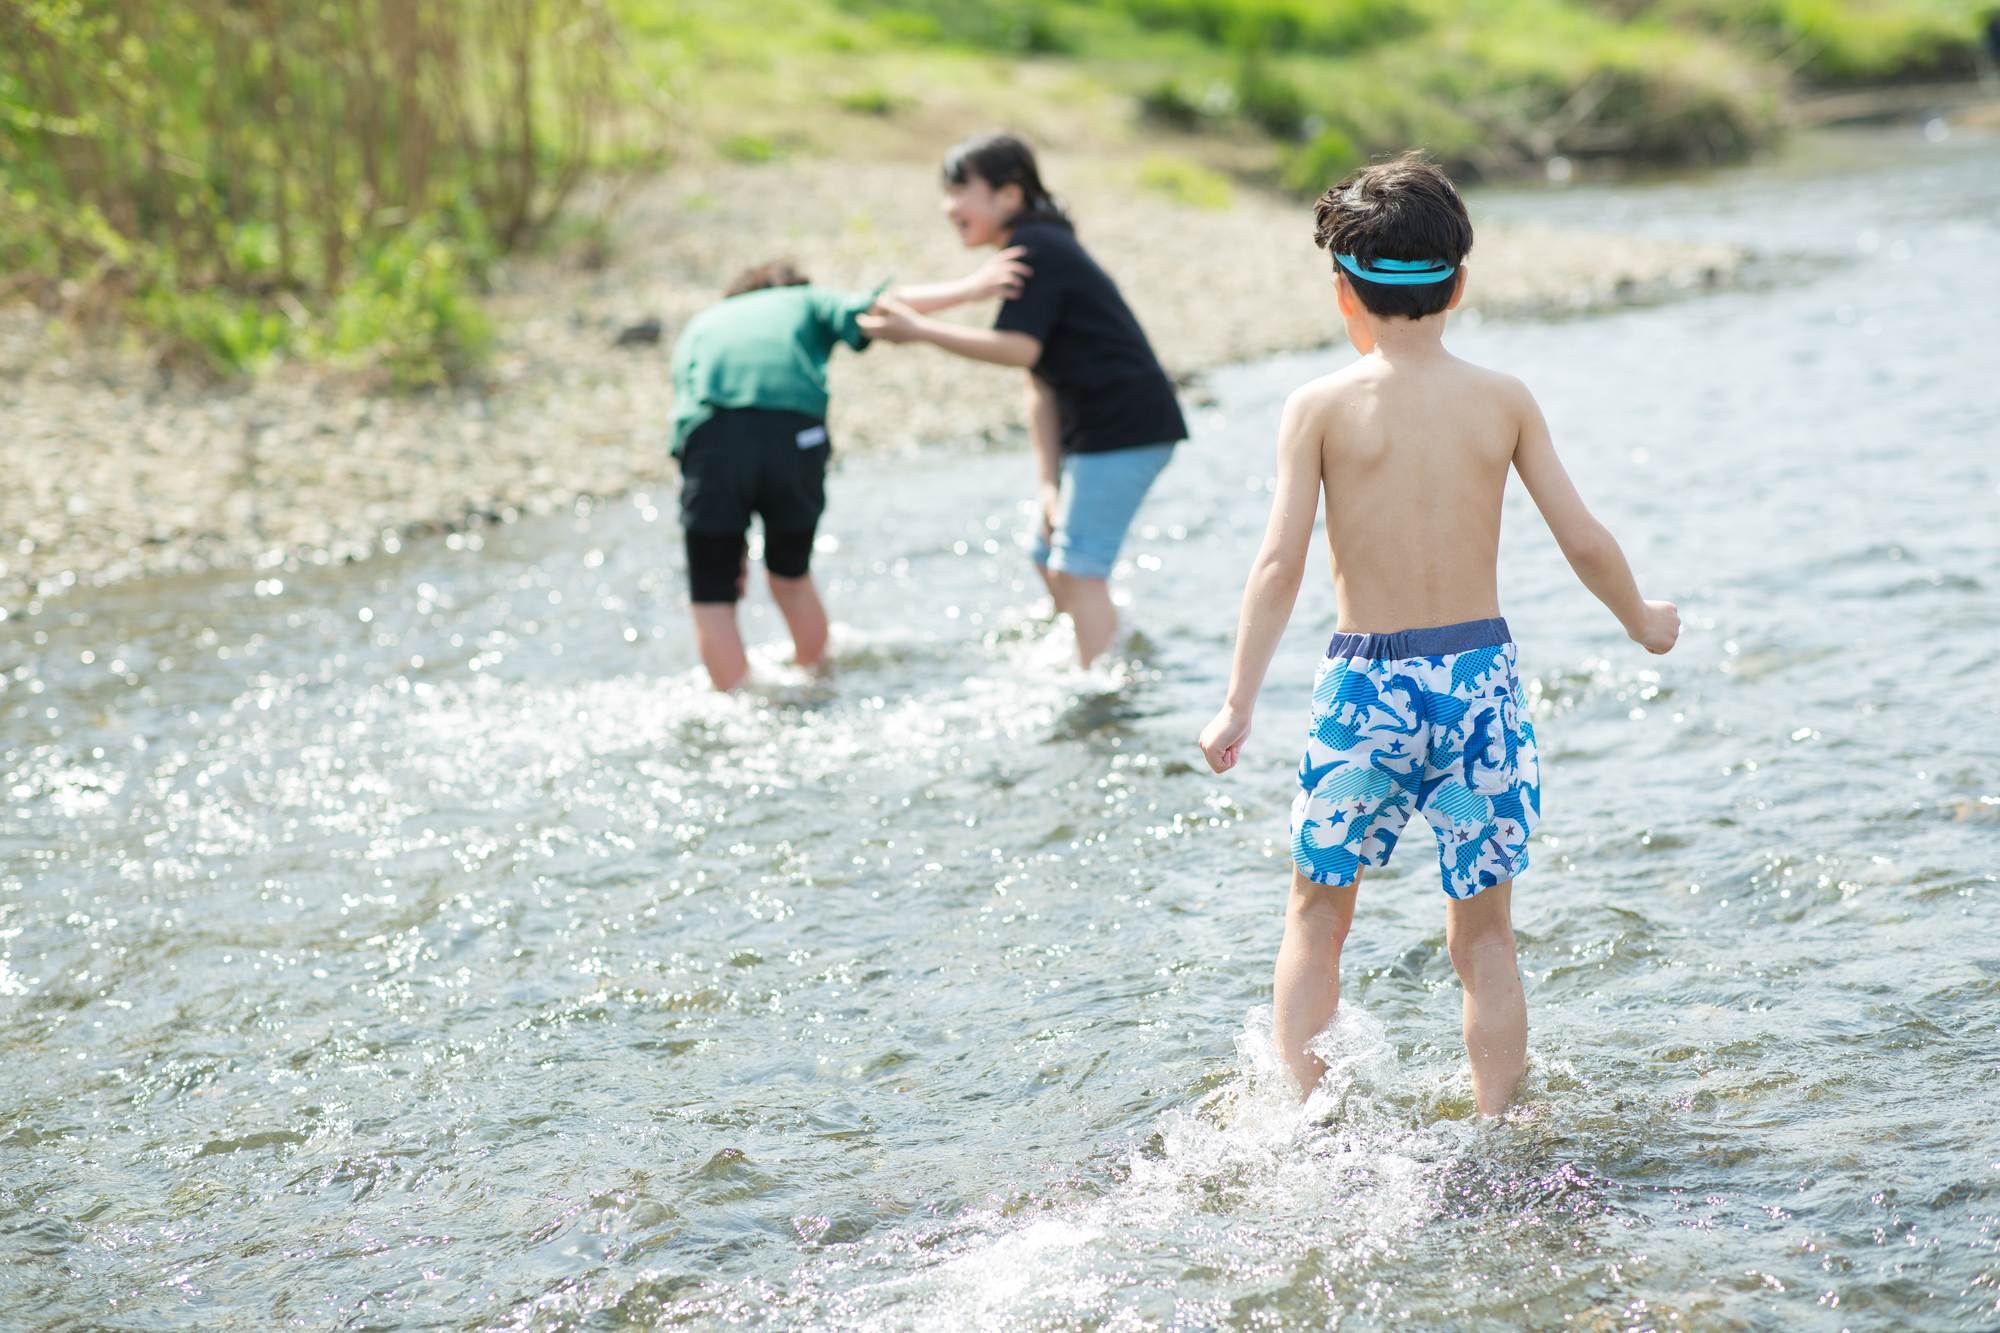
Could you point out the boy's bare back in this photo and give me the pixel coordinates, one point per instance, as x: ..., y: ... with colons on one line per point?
x: 1413, y: 458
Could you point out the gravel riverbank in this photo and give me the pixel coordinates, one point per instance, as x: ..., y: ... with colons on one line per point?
x: 112, y: 470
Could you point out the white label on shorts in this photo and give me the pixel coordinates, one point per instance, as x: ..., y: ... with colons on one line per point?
x: 811, y: 436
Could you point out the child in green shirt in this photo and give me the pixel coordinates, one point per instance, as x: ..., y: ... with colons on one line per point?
x: 750, y: 433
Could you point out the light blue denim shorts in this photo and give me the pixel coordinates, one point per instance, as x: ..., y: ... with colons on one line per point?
x: 1100, y: 494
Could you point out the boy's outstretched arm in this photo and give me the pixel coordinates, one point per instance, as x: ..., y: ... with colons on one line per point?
x: 1273, y: 585
x: 1586, y: 543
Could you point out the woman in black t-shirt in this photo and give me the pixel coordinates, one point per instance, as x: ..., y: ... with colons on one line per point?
x: 1101, y: 411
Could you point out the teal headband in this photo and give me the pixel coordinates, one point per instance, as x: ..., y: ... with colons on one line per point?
x: 1399, y: 272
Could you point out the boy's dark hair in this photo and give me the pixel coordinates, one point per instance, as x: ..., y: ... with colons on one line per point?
x: 1406, y: 209
x: 1001, y: 159
x: 756, y: 279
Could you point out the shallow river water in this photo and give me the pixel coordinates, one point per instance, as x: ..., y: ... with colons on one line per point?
x: 417, y: 944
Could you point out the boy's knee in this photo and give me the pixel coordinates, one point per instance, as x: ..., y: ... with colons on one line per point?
x: 783, y: 585
x: 1476, y: 943
x: 1323, y: 908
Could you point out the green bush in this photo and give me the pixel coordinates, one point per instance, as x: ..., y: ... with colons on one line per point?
x: 870, y: 102
x: 1269, y: 100
x: 1319, y: 162
x: 1185, y: 182
x: 409, y: 311
x: 1328, y: 27
x: 1023, y: 26
x: 748, y: 148
x: 1844, y: 41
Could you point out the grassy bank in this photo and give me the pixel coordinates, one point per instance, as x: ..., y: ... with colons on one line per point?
x: 1292, y: 92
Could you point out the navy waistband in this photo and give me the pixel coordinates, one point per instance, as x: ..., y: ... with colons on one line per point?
x: 1436, y: 641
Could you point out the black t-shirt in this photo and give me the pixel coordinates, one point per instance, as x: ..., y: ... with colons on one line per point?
x: 1094, y: 354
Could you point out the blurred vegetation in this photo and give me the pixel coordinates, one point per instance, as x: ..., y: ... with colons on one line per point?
x: 1185, y: 182
x: 1492, y: 86
x: 258, y: 179
x: 250, y: 178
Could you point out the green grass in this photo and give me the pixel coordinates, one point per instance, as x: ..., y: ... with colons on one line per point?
x: 1491, y: 86
x: 1843, y: 41
x: 1185, y: 182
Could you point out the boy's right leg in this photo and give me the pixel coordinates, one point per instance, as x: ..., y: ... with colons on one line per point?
x: 1306, y: 986
x: 788, y: 567
x: 805, y: 616
x: 1479, y: 935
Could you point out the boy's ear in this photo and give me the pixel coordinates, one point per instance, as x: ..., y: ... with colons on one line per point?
x: 1343, y: 296
x: 1458, y: 289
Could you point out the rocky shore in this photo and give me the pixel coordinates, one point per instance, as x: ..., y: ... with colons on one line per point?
x: 112, y: 469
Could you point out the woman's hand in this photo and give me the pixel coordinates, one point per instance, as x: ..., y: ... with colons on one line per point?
x: 1222, y: 739
x: 892, y: 322
x: 1051, y: 496
x: 999, y: 276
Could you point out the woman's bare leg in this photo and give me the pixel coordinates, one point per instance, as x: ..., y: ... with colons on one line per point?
x: 1305, y: 988
x: 1087, y: 603
x: 1479, y: 933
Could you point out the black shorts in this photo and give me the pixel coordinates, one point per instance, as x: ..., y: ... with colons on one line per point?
x: 744, y: 461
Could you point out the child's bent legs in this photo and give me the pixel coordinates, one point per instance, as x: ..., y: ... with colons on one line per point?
x: 1479, y: 933
x: 1306, y: 987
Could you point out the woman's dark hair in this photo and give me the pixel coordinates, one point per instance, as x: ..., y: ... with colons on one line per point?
x: 1405, y: 208
x: 756, y: 279
x: 1001, y: 159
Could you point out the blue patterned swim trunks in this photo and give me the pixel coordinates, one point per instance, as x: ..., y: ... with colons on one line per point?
x: 1424, y: 721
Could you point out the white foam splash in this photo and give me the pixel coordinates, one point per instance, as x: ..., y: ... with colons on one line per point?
x: 1248, y: 1176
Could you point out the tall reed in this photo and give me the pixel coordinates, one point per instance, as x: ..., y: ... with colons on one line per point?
x: 249, y: 175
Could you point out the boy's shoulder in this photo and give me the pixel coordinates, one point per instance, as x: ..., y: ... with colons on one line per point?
x: 1368, y: 377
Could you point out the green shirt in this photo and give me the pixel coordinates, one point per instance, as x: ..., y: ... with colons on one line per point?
x: 766, y: 348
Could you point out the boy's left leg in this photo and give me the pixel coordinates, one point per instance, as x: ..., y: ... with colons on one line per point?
x: 1305, y: 989
x: 714, y: 596
x: 1479, y: 935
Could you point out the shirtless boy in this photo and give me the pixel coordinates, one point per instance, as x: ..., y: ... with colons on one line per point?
x: 1416, y: 710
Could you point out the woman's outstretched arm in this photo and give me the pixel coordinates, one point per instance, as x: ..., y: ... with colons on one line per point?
x: 999, y: 276
x: 893, y: 321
